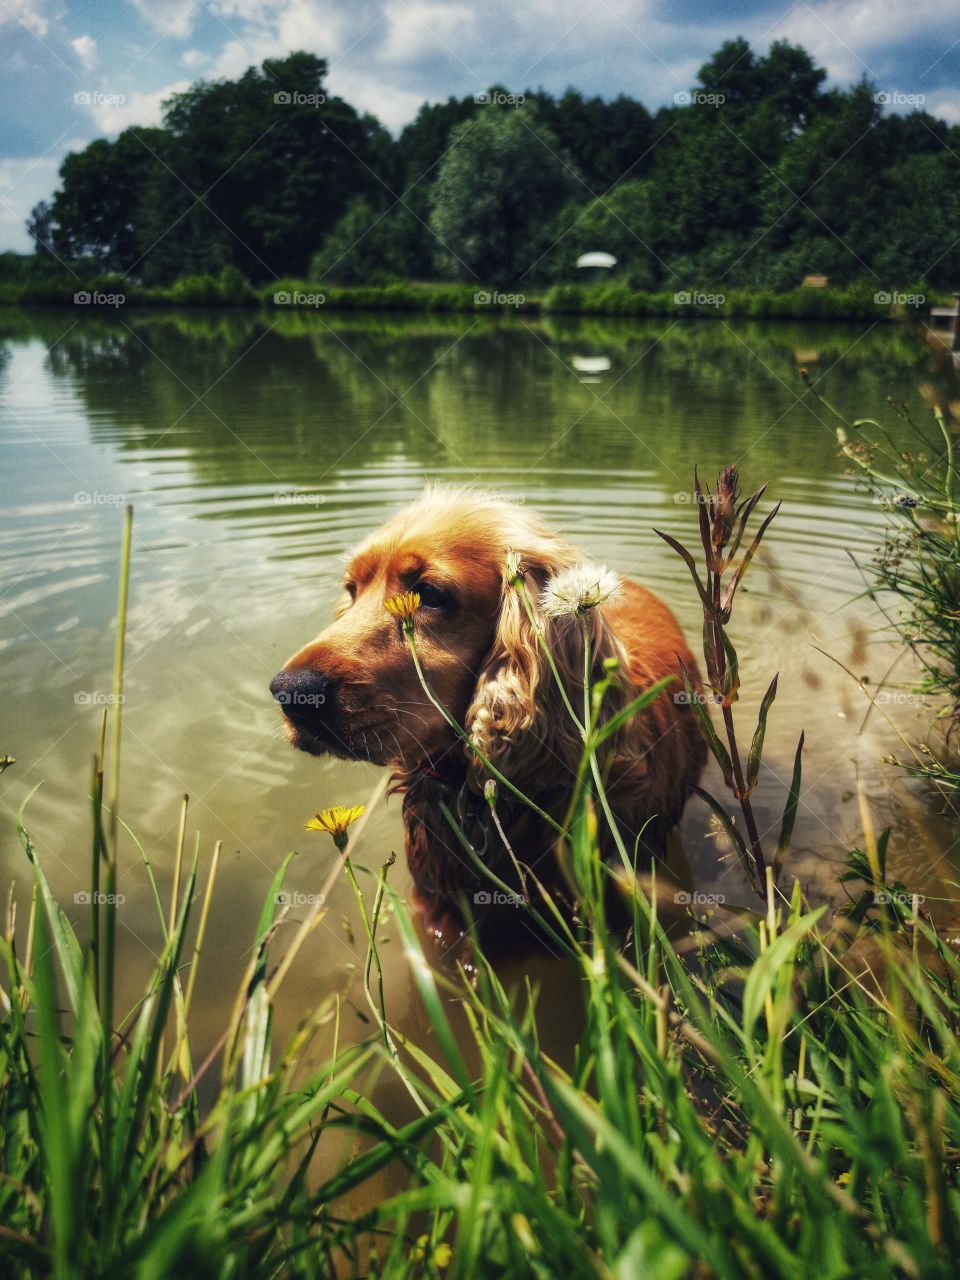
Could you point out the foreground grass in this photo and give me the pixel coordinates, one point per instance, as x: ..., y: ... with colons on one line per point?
x: 606, y: 298
x: 760, y: 1106
x: 778, y: 1114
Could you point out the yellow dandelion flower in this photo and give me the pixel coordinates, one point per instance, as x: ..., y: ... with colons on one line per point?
x: 336, y: 820
x: 842, y: 1179
x: 403, y: 606
x: 442, y: 1255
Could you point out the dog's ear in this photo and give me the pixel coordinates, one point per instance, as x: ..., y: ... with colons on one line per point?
x: 518, y: 718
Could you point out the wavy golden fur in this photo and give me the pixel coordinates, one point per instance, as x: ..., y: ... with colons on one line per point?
x: 484, y: 662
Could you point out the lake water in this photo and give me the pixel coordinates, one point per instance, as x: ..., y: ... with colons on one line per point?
x: 257, y: 449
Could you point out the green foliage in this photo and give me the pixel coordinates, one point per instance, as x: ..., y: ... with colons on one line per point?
x: 497, y: 189
x: 371, y: 245
x: 760, y: 178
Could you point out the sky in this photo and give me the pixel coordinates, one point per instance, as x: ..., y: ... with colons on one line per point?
x: 74, y: 70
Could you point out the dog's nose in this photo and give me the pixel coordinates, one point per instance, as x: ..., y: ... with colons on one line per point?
x: 304, y: 694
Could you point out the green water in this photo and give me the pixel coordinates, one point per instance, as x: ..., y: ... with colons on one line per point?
x: 256, y: 451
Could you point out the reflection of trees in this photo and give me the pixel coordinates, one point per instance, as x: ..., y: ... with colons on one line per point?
x: 290, y: 397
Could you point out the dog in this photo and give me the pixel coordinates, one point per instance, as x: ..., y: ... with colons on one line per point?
x: 354, y: 692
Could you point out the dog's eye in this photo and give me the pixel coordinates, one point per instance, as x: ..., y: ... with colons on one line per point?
x: 432, y: 597
x: 351, y: 589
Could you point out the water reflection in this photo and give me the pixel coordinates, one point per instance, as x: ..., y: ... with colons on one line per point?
x: 257, y: 448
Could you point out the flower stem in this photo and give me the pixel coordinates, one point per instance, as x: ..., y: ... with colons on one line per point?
x: 466, y: 739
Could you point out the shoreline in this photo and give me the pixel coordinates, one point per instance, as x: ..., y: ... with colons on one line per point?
x: 852, y: 302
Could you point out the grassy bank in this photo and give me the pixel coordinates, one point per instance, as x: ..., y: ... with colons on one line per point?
x: 230, y: 289
x: 915, y: 577
x: 753, y: 1104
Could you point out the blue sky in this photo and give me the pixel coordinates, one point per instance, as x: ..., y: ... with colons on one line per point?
x: 387, y: 56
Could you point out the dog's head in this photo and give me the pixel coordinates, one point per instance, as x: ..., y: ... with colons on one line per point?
x: 354, y: 691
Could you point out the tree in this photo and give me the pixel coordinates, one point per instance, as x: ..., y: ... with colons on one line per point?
x: 40, y: 229
x: 497, y: 194
x: 617, y: 223
x: 607, y: 141
x: 100, y: 209
x: 264, y: 166
x: 370, y: 242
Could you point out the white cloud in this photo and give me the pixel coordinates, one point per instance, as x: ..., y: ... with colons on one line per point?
x: 193, y: 59
x: 416, y: 29
x: 29, y: 13
x: 85, y: 48
x: 945, y: 109
x: 143, y: 109
x: 170, y: 17
x: 852, y: 38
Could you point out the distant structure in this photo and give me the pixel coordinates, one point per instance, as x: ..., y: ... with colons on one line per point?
x: 945, y: 324
x: 814, y: 282
x: 597, y: 259
x: 595, y: 264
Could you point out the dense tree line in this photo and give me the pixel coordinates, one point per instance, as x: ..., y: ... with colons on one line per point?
x: 759, y: 176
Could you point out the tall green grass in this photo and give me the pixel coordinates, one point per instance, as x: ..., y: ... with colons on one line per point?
x: 759, y: 1103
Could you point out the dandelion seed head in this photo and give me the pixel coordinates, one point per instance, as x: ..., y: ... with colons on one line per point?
x: 575, y: 591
